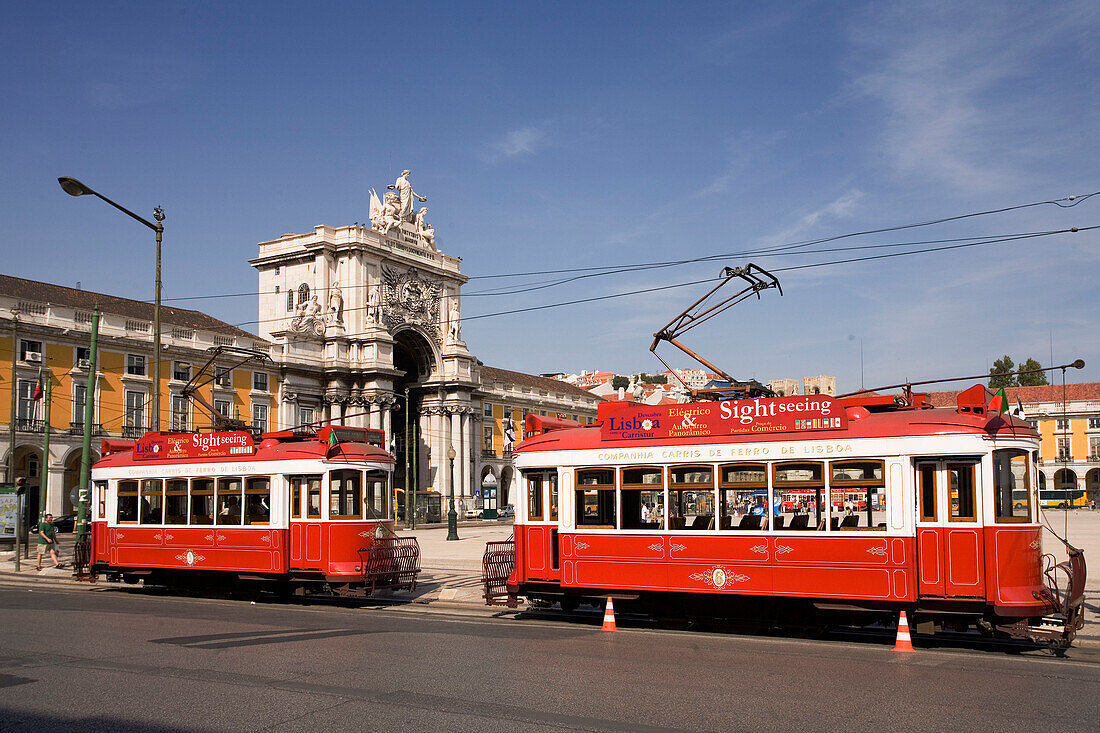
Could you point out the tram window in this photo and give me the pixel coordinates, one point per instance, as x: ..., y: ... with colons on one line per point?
x: 741, y: 488
x: 175, y: 501
x: 296, y: 483
x: 858, y: 494
x: 961, y: 500
x: 202, y: 501
x: 257, y: 500
x: 152, y: 500
x: 1011, y: 473
x: 374, y: 495
x: 926, y: 483
x: 643, y: 498
x: 101, y: 491
x: 553, y: 481
x: 799, y: 490
x: 229, y: 500
x: 127, y: 501
x: 691, y: 498
x: 534, y: 497
x: 344, y: 493
x: 313, y: 497
x: 596, y: 498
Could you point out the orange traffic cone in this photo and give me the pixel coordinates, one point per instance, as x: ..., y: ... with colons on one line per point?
x: 904, y: 643
x: 609, y: 616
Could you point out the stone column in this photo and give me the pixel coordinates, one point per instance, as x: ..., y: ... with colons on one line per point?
x: 375, y: 417
x: 463, y: 468
x: 455, y: 440
x: 387, y: 424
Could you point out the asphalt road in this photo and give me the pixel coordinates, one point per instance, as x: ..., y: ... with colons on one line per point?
x: 120, y: 661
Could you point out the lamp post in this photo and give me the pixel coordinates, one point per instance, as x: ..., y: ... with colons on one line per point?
x: 452, y: 515
x: 74, y: 187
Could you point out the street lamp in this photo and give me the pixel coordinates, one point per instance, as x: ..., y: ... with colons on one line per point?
x: 452, y: 515
x: 74, y: 187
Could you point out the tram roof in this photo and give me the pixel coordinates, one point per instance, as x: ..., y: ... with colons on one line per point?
x: 860, y: 423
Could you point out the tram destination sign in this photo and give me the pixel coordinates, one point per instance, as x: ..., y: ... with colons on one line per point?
x: 160, y: 447
x: 627, y: 421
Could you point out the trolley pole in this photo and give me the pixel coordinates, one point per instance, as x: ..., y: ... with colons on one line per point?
x: 84, y: 490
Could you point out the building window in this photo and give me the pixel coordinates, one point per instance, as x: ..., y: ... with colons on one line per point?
x: 1064, y: 453
x: 487, y: 409
x: 1034, y: 424
x: 135, y: 365
x: 259, y: 381
x: 181, y: 371
x: 1094, y: 447
x: 259, y: 417
x: 305, y: 415
x: 80, y: 396
x: 222, y: 407
x: 303, y: 293
x: 223, y: 377
x: 83, y: 356
x: 34, y: 348
x: 487, y: 438
x: 180, y: 412
x: 135, y: 410
x: 26, y: 408
x: 289, y: 301
x: 1061, y: 424
x: 1094, y: 423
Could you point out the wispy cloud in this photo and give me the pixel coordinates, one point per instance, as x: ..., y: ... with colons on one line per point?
x: 516, y: 142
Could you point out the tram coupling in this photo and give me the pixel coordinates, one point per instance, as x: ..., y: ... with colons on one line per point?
x: 1064, y: 594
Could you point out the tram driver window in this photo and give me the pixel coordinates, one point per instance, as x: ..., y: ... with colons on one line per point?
x: 152, y: 500
x: 202, y: 501
x: 257, y: 500
x: 643, y: 498
x: 375, y: 493
x: 127, y: 501
x: 344, y: 492
x: 962, y: 506
x: 857, y: 492
x: 229, y: 501
x: 175, y: 501
x: 313, y: 497
x: 690, y: 497
x: 1011, y: 485
x: 596, y: 498
x: 743, y: 494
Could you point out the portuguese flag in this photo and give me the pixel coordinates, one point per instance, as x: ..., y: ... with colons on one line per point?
x: 332, y: 437
x: 999, y: 403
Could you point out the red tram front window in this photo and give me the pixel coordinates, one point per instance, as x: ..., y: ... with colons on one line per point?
x: 534, y: 497
x: 101, y: 492
x: 553, y: 481
x: 962, y: 500
x: 127, y: 501
x: 926, y: 485
x: 228, y: 499
x: 175, y: 501
x: 344, y: 492
x: 1011, y: 485
x: 202, y: 501
x: 313, y: 497
x: 152, y: 500
x: 257, y: 500
x: 375, y: 491
x: 596, y: 498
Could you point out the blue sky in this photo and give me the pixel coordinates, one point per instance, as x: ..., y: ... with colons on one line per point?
x: 560, y: 135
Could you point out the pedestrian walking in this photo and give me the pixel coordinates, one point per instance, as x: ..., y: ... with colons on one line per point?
x: 47, y: 541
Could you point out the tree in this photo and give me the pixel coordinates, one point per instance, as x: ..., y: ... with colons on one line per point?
x: 1000, y: 366
x: 1032, y: 380
x: 620, y: 382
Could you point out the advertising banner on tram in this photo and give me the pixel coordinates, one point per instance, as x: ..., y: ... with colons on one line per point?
x: 159, y: 447
x: 631, y: 421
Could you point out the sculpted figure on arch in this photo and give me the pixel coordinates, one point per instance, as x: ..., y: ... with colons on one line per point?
x: 405, y: 195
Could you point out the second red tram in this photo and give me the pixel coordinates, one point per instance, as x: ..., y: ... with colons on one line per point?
x: 298, y: 512
x: 796, y: 504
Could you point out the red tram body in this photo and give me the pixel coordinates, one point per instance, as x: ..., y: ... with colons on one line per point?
x: 296, y: 512
x: 794, y: 505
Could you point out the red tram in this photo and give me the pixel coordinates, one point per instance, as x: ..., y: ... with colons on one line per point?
x: 296, y: 512
x: 794, y: 507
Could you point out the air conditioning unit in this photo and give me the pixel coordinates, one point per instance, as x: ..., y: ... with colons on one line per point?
x: 84, y: 363
x: 34, y: 356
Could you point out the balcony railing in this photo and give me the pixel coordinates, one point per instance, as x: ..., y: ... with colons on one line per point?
x: 77, y: 428
x: 28, y: 425
x: 132, y: 431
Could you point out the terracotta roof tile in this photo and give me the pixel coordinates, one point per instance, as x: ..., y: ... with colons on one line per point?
x: 504, y: 376
x: 32, y: 290
x: 1031, y: 395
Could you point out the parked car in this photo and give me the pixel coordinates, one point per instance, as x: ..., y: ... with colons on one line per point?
x: 473, y: 513
x: 507, y: 512
x: 65, y: 523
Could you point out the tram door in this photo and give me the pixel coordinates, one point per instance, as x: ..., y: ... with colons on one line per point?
x: 305, y: 522
x: 542, y: 525
x: 950, y: 554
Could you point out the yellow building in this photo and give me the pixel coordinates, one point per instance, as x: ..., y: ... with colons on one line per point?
x: 45, y: 335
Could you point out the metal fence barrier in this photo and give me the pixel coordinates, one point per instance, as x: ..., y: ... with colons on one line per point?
x: 497, y: 565
x: 390, y: 562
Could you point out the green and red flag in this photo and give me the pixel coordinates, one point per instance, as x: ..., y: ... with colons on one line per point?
x: 39, y: 387
x: 999, y: 403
